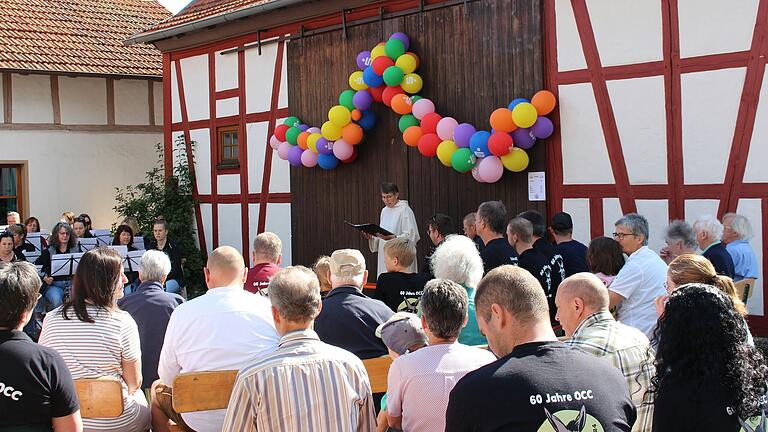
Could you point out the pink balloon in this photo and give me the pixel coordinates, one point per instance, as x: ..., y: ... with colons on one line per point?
x: 313, y: 130
x: 476, y: 172
x: 274, y: 142
x: 490, y: 169
x: 309, y: 158
x: 342, y: 150
x: 445, y: 128
x: 283, y: 149
x: 422, y: 107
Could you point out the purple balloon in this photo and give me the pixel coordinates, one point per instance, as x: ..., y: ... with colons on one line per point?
x: 363, y: 59
x: 294, y: 155
x: 303, y: 127
x: 462, y: 134
x: 362, y: 100
x: 523, y: 139
x: 313, y: 130
x: 402, y: 37
x: 543, y: 128
x: 324, y: 146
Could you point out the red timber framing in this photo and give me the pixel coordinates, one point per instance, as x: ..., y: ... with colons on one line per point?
x: 671, y: 68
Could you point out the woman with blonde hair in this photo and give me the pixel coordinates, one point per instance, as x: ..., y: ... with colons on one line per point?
x: 322, y: 267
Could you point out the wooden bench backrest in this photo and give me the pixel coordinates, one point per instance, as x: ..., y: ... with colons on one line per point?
x: 378, y: 369
x: 100, y: 397
x: 744, y: 289
x: 203, y: 391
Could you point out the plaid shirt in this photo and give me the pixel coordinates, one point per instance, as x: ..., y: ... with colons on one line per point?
x: 628, y: 350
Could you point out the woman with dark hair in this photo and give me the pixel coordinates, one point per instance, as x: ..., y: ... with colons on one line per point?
x: 707, y: 377
x: 80, y: 228
x: 6, y: 248
x: 19, y: 234
x: 87, y: 220
x: 61, y: 241
x: 605, y: 258
x: 124, y: 237
x: 32, y: 225
x: 98, y: 339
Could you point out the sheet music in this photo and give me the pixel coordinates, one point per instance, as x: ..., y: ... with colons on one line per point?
x: 104, y: 236
x: 65, y: 264
x: 86, y: 244
x: 36, y: 240
x: 138, y: 243
x: 132, y: 260
x: 122, y: 250
x: 32, y: 256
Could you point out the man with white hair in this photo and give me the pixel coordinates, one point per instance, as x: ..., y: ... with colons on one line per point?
x: 709, y: 231
x: 13, y: 218
x: 736, y: 234
x: 349, y: 318
x: 151, y: 308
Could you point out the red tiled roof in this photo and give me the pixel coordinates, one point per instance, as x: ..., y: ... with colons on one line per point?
x: 203, y: 9
x: 78, y: 36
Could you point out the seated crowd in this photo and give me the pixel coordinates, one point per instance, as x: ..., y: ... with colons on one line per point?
x: 500, y: 333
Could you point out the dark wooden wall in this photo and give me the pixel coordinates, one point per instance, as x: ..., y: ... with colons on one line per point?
x: 474, y: 58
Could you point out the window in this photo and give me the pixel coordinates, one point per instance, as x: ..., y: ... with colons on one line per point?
x: 229, y: 154
x: 10, y: 190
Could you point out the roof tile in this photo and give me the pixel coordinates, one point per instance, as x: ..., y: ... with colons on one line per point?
x: 203, y: 9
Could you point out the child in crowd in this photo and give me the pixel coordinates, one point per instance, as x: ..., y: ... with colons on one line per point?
x: 397, y: 288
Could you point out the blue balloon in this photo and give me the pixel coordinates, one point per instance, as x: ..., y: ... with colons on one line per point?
x: 479, y: 144
x: 367, y: 120
x: 327, y: 161
x: 371, y: 79
x: 514, y: 103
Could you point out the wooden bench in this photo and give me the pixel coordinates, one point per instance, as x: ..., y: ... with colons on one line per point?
x: 202, y: 391
x: 100, y: 397
x: 378, y: 369
x: 744, y: 289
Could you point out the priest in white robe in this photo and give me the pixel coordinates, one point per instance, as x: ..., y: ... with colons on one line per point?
x: 397, y: 218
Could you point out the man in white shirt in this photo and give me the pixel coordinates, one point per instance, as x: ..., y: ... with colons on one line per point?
x: 641, y: 279
x: 397, y: 218
x: 225, y: 329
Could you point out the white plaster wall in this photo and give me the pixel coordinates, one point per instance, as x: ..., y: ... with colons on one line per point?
x: 715, y: 26
x: 639, y: 109
x: 228, y: 184
x: 132, y: 102
x: 257, y: 136
x: 279, y: 222
x: 230, y: 226
x: 227, y: 107
x: 157, y: 94
x: 175, y: 101
x: 710, y: 104
x: 194, y: 71
x: 282, y: 99
x: 202, y: 140
x: 259, y: 70
x: 570, y: 54
x: 585, y: 157
x: 578, y: 208
x: 205, y: 213
x: 253, y: 229
x: 626, y: 31
x: 83, y: 100
x: 280, y: 181
x: 696, y: 208
x: 61, y: 179
x: 758, y: 148
x: 657, y: 213
x: 752, y: 209
x: 226, y: 71
x: 611, y: 213
x: 32, y: 99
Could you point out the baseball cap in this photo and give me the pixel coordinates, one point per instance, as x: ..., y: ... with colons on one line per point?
x: 561, y: 222
x: 402, y: 331
x: 347, y: 262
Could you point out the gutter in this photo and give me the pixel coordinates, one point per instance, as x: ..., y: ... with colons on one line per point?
x: 144, y: 37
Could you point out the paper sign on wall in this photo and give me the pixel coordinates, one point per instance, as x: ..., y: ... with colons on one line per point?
x: 536, y: 186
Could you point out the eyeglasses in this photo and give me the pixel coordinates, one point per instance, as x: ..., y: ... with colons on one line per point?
x: 620, y: 236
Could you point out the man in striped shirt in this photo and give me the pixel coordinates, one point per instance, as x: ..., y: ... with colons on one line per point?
x: 305, y: 385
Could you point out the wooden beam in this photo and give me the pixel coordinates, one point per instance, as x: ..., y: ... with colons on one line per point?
x: 7, y: 98
x: 55, y: 100
x: 81, y: 127
x: 151, y: 101
x: 110, y: 101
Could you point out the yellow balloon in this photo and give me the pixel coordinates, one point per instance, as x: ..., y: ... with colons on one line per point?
x: 407, y: 63
x: 412, y: 83
x: 516, y: 160
x: 330, y: 131
x: 356, y: 81
x: 340, y: 115
x: 524, y: 115
x: 312, y: 141
x: 445, y: 151
x: 378, y: 51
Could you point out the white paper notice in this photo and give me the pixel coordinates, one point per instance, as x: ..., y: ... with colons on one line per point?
x: 536, y: 186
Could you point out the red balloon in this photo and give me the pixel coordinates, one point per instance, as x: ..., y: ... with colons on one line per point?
x: 429, y: 123
x: 500, y: 143
x: 381, y: 63
x: 377, y: 92
x: 280, y: 131
x: 389, y: 93
x: 351, y: 158
x: 428, y: 144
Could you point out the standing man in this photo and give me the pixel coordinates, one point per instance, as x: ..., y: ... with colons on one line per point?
x: 397, y: 218
x: 490, y: 222
x: 574, y: 253
x: 439, y: 227
x: 542, y: 244
x: 736, y: 234
x: 300, y: 366
x: 266, y: 256
x: 471, y: 232
x: 709, y: 231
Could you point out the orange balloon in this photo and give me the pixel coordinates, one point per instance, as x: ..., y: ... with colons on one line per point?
x: 356, y: 114
x: 302, y: 139
x: 501, y: 120
x: 401, y: 104
x: 544, y: 102
x: 352, y: 134
x: 412, y: 135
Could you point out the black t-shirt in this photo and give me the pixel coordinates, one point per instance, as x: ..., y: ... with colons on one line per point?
x: 401, y: 291
x: 539, y: 266
x: 538, y: 384
x: 682, y: 406
x: 551, y: 252
x: 574, y: 257
x: 721, y: 260
x: 479, y: 243
x: 498, y: 252
x: 36, y: 384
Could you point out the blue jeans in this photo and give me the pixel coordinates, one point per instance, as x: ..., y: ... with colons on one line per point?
x: 35, y: 322
x: 55, y: 293
x: 172, y: 286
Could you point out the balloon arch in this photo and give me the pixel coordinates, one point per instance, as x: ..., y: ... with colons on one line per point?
x: 387, y: 74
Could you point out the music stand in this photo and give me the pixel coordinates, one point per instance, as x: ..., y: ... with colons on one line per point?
x: 104, y: 236
x: 86, y: 244
x: 132, y: 260
x: 32, y: 256
x: 36, y: 240
x: 65, y: 264
x: 138, y: 243
x: 122, y: 250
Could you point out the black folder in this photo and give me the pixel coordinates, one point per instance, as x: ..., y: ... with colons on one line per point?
x: 370, y: 228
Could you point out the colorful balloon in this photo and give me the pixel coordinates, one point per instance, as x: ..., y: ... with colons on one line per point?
x: 412, y: 135
x: 479, y: 144
x: 407, y: 121
x: 445, y: 151
x: 428, y: 144
x: 302, y: 140
x: 367, y: 121
x: 362, y: 100
x: 422, y: 107
x: 327, y: 161
x: 445, y: 128
x: 339, y: 115
x: 377, y: 92
x: 331, y: 131
x: 378, y: 51
x: 292, y: 135
x: 412, y: 83
x: 356, y: 114
x: 370, y: 79
x: 401, y: 104
x: 429, y: 123
x: 393, y: 76
x: 381, y: 64
x: 388, y: 94
x: 324, y: 146
x: 501, y: 120
x: 351, y: 158
x: 312, y: 141
x: 463, y: 160
x: 500, y: 143
x: 524, y: 115
x: 462, y: 134
x: 292, y: 121
x: 516, y: 161
x: 394, y: 48
x: 476, y: 171
x: 356, y: 81
x: 403, y: 37
x: 514, y: 103
x: 280, y: 131
x: 407, y: 62
x: 543, y: 128
x: 294, y: 156
x: 342, y: 149
x: 309, y: 159
x: 363, y: 59
x: 283, y: 149
x: 490, y: 169
x: 544, y: 102
x: 314, y: 130
x: 523, y: 138
x: 352, y: 134
x: 274, y: 142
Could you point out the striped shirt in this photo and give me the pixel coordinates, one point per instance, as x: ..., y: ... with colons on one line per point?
x: 628, y: 350
x: 306, y: 385
x: 93, y: 350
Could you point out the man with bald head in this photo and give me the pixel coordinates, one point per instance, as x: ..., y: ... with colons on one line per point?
x: 224, y: 329
x: 582, y: 309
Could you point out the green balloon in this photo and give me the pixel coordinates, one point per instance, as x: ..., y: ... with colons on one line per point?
x: 345, y: 99
x: 394, y: 48
x: 463, y: 160
x: 393, y: 76
x: 407, y: 121
x: 292, y: 135
x: 414, y: 98
x: 292, y: 121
